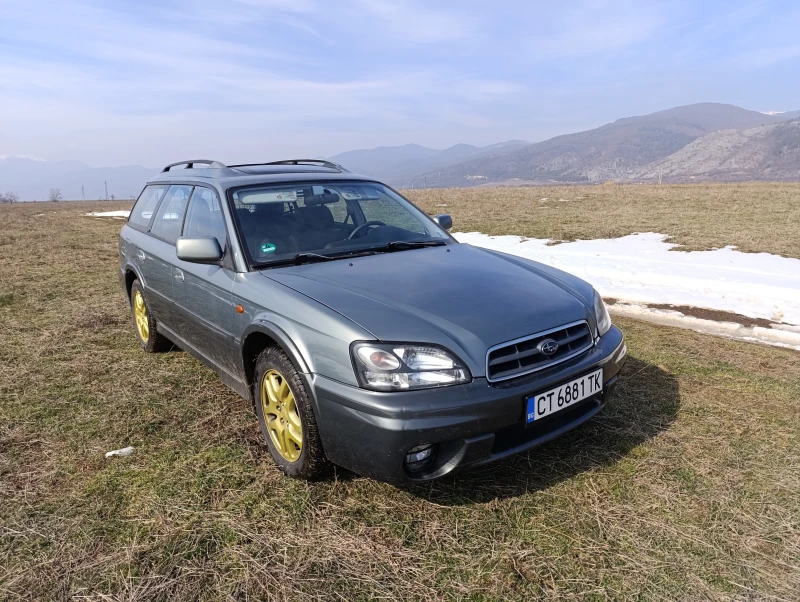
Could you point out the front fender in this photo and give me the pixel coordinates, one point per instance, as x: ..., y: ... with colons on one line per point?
x: 315, y: 337
x: 263, y: 325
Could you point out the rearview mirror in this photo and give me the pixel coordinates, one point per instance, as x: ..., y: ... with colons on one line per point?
x: 444, y: 221
x: 199, y: 250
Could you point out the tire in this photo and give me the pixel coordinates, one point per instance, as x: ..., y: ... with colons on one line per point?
x: 285, y: 415
x: 145, y: 324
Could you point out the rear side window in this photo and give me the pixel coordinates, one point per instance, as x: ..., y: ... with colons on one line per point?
x: 169, y: 219
x: 142, y: 212
x: 205, y: 216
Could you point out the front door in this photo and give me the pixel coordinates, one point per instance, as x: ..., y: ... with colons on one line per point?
x: 203, y: 292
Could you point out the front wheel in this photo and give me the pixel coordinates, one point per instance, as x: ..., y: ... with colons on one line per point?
x: 287, y: 418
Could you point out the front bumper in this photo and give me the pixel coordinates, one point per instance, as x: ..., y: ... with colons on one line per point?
x: 473, y: 424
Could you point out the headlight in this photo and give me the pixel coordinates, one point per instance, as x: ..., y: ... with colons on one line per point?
x: 399, y: 367
x: 601, y: 316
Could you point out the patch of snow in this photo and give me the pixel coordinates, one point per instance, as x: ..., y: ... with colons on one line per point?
x: 641, y: 268
x: 777, y: 337
x: 109, y: 214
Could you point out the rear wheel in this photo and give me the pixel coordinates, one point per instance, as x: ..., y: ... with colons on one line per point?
x: 149, y: 338
x: 286, y: 417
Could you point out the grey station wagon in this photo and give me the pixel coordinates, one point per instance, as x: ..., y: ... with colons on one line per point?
x: 364, y: 334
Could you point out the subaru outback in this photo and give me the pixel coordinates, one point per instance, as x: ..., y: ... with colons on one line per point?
x: 364, y: 334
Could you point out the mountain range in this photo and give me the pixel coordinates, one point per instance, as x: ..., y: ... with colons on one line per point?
x: 399, y: 164
x: 767, y: 152
x: 641, y: 148
x: 700, y: 142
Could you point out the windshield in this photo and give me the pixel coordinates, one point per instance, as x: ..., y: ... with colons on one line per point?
x: 278, y: 222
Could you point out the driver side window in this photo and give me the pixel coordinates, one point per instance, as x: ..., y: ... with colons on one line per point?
x: 386, y: 210
x: 205, y: 216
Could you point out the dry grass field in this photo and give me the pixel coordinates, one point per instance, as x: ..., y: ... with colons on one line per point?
x: 685, y: 488
x: 756, y: 217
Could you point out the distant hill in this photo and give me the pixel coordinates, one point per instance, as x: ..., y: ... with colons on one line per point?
x: 768, y: 152
x: 32, y: 180
x: 397, y: 164
x: 612, y: 152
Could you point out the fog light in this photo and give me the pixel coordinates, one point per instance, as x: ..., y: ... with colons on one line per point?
x: 419, y: 457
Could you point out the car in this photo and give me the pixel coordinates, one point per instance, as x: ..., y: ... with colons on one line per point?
x: 365, y: 335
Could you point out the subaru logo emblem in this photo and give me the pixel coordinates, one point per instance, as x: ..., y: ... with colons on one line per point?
x: 547, y: 347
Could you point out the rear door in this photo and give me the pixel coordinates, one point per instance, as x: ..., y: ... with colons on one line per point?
x: 136, y: 238
x: 203, y: 300
x: 157, y: 252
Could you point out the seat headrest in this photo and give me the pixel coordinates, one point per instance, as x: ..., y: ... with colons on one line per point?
x: 271, y: 210
x: 317, y: 218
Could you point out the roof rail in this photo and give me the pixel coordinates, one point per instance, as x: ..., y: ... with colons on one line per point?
x: 190, y: 164
x: 322, y: 162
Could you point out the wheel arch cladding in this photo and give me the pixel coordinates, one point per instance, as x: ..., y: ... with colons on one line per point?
x: 130, y: 277
x: 259, y: 337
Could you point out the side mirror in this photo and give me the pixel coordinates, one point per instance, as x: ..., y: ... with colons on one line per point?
x: 199, y: 250
x: 444, y: 221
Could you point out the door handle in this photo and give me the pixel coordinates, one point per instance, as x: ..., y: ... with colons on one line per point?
x: 178, y: 275
x: 140, y: 254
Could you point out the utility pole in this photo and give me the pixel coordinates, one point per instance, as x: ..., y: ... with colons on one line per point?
x: 83, y: 192
x: 106, y: 185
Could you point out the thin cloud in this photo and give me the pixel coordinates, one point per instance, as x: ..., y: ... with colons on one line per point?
x: 596, y: 29
x: 417, y: 21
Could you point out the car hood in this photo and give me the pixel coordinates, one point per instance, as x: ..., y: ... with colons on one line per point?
x: 462, y: 297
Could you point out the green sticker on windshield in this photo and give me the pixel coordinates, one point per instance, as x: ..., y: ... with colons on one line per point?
x: 268, y: 248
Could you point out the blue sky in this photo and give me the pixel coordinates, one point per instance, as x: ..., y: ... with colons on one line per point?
x: 150, y: 82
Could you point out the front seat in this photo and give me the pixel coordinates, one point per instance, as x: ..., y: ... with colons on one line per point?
x: 320, y: 229
x: 268, y: 234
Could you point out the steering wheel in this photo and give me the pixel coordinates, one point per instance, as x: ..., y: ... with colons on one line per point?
x: 364, y: 226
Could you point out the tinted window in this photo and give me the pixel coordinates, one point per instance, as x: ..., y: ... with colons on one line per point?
x: 282, y: 220
x: 205, y: 216
x: 169, y: 219
x: 338, y: 209
x: 143, y: 210
x: 389, y: 211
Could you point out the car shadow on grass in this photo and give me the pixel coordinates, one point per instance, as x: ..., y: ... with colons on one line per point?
x: 644, y: 403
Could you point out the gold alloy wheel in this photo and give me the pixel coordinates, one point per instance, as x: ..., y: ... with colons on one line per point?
x: 140, y: 314
x: 280, y: 415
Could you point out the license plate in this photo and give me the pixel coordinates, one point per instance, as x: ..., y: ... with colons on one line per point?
x: 568, y: 394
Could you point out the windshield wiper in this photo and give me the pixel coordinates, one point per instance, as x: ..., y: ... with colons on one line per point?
x: 298, y: 259
x: 402, y: 245
x: 302, y: 258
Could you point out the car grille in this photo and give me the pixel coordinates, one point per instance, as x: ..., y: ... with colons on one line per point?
x: 516, y: 358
